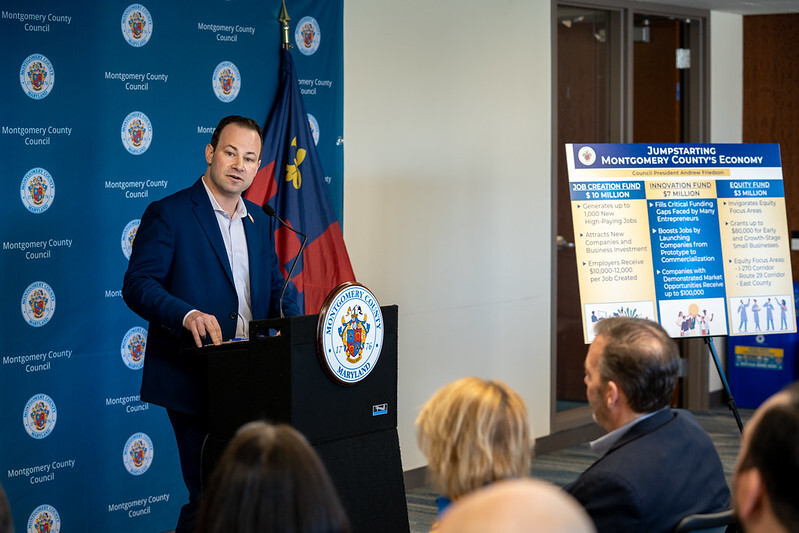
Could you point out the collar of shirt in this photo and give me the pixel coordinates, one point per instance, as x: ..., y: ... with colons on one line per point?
x: 241, y: 209
x: 604, y: 443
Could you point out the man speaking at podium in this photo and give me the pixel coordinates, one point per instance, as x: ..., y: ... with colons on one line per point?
x: 203, y: 265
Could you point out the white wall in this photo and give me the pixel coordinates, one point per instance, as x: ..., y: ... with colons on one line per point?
x: 447, y: 133
x: 726, y: 110
x: 726, y: 77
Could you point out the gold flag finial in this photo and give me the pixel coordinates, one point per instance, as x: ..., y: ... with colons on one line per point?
x: 284, y: 25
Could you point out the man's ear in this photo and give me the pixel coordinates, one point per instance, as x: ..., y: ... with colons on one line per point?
x: 612, y: 393
x: 209, y: 153
x: 749, y: 493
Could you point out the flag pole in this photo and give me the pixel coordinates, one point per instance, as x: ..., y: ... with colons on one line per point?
x: 284, y: 26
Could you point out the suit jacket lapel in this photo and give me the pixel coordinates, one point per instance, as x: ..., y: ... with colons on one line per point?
x: 254, y: 244
x: 207, y: 219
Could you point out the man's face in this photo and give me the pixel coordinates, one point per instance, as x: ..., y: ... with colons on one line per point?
x: 234, y: 162
x: 594, y: 388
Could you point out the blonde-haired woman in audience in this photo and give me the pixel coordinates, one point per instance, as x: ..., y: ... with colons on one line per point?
x: 473, y: 432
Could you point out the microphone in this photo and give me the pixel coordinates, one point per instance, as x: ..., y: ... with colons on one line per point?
x: 269, y: 210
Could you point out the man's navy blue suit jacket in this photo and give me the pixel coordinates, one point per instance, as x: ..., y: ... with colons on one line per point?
x: 179, y: 263
x: 661, y: 470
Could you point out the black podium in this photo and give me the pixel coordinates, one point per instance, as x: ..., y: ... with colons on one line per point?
x: 353, y: 428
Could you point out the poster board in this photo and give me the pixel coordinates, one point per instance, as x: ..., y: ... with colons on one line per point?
x: 693, y: 236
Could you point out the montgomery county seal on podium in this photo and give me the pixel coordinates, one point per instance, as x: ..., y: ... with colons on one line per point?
x: 349, y: 333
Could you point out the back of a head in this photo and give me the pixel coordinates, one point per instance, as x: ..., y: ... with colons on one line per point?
x: 773, y: 448
x: 517, y: 506
x: 6, y: 522
x: 270, y: 480
x: 473, y: 432
x: 641, y: 358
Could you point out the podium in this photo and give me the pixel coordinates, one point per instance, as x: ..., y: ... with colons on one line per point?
x: 353, y: 428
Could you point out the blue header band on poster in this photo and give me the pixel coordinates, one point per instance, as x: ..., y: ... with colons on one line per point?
x: 750, y: 189
x: 608, y: 190
x: 675, y: 155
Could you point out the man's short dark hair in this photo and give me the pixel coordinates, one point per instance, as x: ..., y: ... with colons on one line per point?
x: 241, y: 121
x: 774, y: 450
x: 641, y: 358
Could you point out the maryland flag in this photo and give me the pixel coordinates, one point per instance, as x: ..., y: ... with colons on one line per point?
x: 292, y: 182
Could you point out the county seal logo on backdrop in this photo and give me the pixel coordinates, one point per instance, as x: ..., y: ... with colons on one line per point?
x: 314, y: 124
x: 44, y: 518
x: 38, y: 304
x: 226, y: 81
x: 307, y: 35
x: 39, y: 416
x: 138, y: 454
x: 137, y: 25
x: 350, y: 333
x: 128, y: 236
x: 133, y: 344
x: 137, y: 133
x: 37, y: 190
x: 37, y: 76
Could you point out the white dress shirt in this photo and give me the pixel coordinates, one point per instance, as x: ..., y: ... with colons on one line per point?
x: 232, y: 229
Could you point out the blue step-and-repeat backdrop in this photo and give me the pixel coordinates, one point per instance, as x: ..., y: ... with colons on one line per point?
x: 107, y: 106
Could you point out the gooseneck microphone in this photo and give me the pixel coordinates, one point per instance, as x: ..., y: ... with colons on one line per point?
x: 269, y: 210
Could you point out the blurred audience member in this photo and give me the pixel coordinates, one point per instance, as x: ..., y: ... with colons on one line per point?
x: 517, y: 506
x: 473, y: 432
x: 656, y: 464
x: 767, y: 474
x: 270, y: 480
x: 6, y: 522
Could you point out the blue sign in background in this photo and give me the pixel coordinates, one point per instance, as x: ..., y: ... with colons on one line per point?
x: 72, y: 243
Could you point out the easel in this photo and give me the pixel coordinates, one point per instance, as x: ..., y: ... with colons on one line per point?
x: 730, y: 399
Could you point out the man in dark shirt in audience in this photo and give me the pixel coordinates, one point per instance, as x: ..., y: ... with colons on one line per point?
x: 656, y: 465
x: 767, y: 474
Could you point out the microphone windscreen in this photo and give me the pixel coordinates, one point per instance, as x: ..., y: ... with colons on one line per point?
x: 269, y: 210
